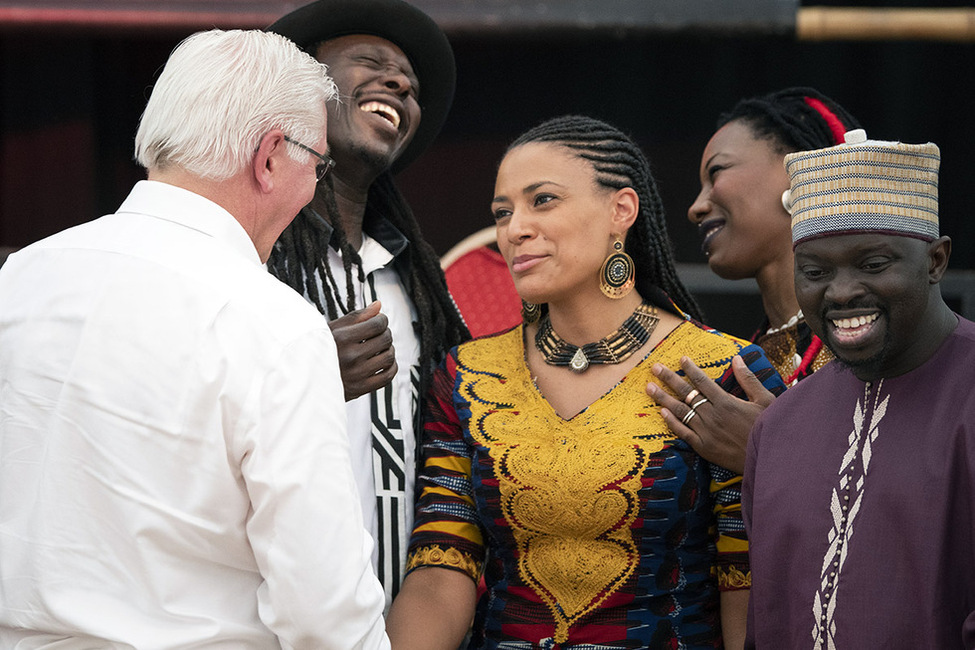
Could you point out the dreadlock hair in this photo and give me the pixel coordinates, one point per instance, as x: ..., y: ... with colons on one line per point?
x: 794, y: 119
x: 618, y: 163
x: 300, y: 260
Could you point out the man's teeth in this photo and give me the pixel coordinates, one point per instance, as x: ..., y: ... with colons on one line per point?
x: 383, y: 109
x: 857, y: 321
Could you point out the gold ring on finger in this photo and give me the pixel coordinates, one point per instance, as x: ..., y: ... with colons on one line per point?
x: 691, y: 395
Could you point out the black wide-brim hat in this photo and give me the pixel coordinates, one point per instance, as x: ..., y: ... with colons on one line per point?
x: 414, y: 32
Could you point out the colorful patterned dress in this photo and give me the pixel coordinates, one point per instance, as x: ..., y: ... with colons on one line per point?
x: 600, y: 531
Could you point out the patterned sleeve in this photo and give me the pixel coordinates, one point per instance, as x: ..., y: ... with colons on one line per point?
x: 732, y: 568
x: 446, y: 531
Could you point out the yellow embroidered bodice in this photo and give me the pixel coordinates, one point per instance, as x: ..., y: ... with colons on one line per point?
x: 570, y: 489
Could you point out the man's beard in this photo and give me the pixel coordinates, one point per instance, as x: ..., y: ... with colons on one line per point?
x: 870, y: 366
x: 377, y: 161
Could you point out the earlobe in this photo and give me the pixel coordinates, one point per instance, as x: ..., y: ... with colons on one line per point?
x: 261, y: 169
x: 267, y: 158
x: 939, y: 252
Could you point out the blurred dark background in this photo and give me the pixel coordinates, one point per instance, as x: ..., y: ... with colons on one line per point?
x: 74, y: 78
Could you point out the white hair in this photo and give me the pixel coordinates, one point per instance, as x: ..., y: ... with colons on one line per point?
x: 221, y: 92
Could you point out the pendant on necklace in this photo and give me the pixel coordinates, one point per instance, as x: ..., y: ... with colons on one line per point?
x: 579, y: 361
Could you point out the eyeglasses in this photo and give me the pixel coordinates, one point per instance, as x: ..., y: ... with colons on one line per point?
x: 321, y: 169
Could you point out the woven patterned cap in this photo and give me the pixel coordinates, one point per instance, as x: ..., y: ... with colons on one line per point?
x: 865, y: 186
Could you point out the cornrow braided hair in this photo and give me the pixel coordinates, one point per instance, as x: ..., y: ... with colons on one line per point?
x: 618, y: 163
x: 795, y: 119
x: 300, y: 260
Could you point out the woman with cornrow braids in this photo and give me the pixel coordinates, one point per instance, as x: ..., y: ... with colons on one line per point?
x: 742, y: 215
x: 547, y: 469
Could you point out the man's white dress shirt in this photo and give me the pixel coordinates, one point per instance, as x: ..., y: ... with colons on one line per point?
x: 174, y: 465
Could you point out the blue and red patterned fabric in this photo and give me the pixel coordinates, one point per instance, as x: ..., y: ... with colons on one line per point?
x: 599, y: 531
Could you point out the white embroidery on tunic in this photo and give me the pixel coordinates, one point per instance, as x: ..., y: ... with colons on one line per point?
x: 844, y: 505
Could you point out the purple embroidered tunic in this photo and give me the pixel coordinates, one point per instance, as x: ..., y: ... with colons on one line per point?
x: 859, y: 502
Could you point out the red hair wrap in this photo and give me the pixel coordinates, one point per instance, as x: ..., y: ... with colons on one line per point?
x: 835, y: 126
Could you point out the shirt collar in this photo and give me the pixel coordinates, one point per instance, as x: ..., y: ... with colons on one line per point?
x: 375, y: 225
x: 188, y: 209
x: 383, y: 231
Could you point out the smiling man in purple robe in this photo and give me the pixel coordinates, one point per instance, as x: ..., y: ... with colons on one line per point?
x: 858, y: 490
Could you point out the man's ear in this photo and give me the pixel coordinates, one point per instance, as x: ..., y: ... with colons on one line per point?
x: 939, y: 251
x: 626, y: 207
x: 269, y: 156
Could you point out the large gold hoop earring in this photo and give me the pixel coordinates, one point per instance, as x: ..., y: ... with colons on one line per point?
x: 618, y: 275
x: 530, y: 312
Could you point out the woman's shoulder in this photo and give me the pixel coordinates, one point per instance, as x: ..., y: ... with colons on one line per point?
x: 487, y: 351
x: 703, y: 340
x: 713, y: 350
x: 502, y: 339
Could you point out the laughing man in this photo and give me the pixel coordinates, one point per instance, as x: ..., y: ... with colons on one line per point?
x: 356, y: 251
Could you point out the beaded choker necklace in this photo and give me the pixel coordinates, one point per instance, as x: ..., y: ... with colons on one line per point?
x: 618, y: 346
x: 792, y: 321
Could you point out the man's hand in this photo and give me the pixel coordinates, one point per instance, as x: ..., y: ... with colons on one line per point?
x: 719, y: 427
x: 367, y: 359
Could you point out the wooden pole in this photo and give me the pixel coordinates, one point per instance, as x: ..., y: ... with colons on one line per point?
x: 895, y: 24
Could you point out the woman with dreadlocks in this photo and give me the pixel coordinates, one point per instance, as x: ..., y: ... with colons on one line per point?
x: 742, y: 215
x: 547, y: 468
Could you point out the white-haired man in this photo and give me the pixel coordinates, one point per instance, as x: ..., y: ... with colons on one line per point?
x: 165, y: 480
